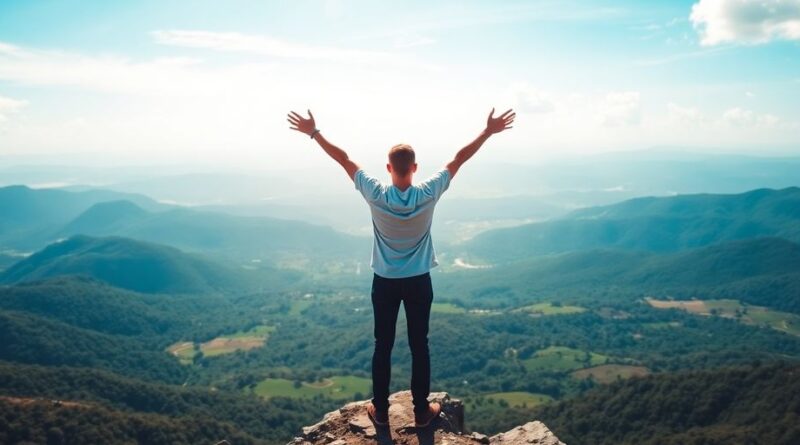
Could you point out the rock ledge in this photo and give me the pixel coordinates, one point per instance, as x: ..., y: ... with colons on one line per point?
x: 350, y: 425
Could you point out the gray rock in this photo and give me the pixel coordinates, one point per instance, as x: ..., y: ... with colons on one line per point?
x: 482, y: 438
x: 531, y: 433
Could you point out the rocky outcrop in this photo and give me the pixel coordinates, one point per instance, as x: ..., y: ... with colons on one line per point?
x: 350, y: 425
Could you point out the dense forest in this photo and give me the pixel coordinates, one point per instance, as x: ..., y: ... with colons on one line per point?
x: 116, y: 398
x: 747, y: 404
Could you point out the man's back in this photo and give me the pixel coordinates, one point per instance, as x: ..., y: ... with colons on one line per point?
x: 401, y: 220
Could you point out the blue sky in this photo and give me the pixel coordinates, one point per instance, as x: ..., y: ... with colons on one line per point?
x: 212, y: 81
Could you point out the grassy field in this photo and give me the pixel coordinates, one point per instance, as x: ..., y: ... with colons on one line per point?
x: 447, y: 308
x: 521, y: 398
x: 299, y: 305
x: 184, y: 351
x: 610, y: 373
x: 258, y: 331
x: 226, y: 344
x: 560, y: 358
x: 782, y: 321
x: 336, y: 387
x: 752, y: 315
x: 550, y: 309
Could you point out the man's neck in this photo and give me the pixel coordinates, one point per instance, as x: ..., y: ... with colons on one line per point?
x: 402, y: 183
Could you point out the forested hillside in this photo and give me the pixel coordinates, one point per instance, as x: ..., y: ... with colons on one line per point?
x: 140, y: 266
x: 132, y: 409
x: 761, y: 271
x: 651, y: 224
x: 749, y: 404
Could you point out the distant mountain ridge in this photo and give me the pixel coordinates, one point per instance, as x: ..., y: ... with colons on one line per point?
x: 650, y: 224
x: 242, y: 237
x: 105, y: 218
x: 29, y: 216
x: 33, y: 218
x: 126, y: 263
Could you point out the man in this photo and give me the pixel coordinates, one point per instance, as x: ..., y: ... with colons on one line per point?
x: 402, y: 256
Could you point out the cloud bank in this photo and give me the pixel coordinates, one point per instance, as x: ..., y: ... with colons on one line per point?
x: 746, y: 21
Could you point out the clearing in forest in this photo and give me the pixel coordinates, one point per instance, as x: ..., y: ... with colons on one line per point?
x: 335, y: 387
x: 561, y: 358
x: 610, y: 373
x: 744, y: 313
x: 225, y: 344
x: 521, y: 398
x: 540, y: 309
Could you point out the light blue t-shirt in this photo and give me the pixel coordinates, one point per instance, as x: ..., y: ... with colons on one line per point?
x: 401, y: 221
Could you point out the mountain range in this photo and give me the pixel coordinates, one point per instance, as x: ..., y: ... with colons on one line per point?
x: 664, y: 224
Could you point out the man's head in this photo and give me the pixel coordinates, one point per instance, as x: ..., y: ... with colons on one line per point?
x: 402, y: 163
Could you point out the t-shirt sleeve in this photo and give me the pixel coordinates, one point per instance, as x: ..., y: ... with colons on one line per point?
x: 437, y: 184
x: 369, y: 186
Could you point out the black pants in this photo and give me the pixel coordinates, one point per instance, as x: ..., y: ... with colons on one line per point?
x: 416, y: 293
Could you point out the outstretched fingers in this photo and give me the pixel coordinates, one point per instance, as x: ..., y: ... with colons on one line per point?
x: 506, y: 112
x: 508, y: 119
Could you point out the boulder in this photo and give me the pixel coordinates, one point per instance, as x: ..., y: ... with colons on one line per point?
x: 350, y: 425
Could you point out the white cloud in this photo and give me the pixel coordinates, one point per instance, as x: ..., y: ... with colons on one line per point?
x: 621, y: 108
x: 746, y: 21
x: 684, y: 115
x: 531, y: 100
x: 9, y: 106
x: 741, y: 117
x: 163, y: 76
x: 272, y: 47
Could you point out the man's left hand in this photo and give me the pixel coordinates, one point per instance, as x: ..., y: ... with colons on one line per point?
x: 302, y: 124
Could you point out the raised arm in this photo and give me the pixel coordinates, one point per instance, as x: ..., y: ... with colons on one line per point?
x: 493, y: 125
x: 308, y: 126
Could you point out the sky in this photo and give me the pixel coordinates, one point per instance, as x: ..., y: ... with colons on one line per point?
x: 210, y: 82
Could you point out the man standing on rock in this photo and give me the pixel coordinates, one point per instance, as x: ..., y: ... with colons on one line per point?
x: 402, y: 256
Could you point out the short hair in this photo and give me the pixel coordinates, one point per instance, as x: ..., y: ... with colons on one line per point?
x: 402, y: 158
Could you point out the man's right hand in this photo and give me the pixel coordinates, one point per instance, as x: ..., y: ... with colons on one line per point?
x: 500, y: 123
